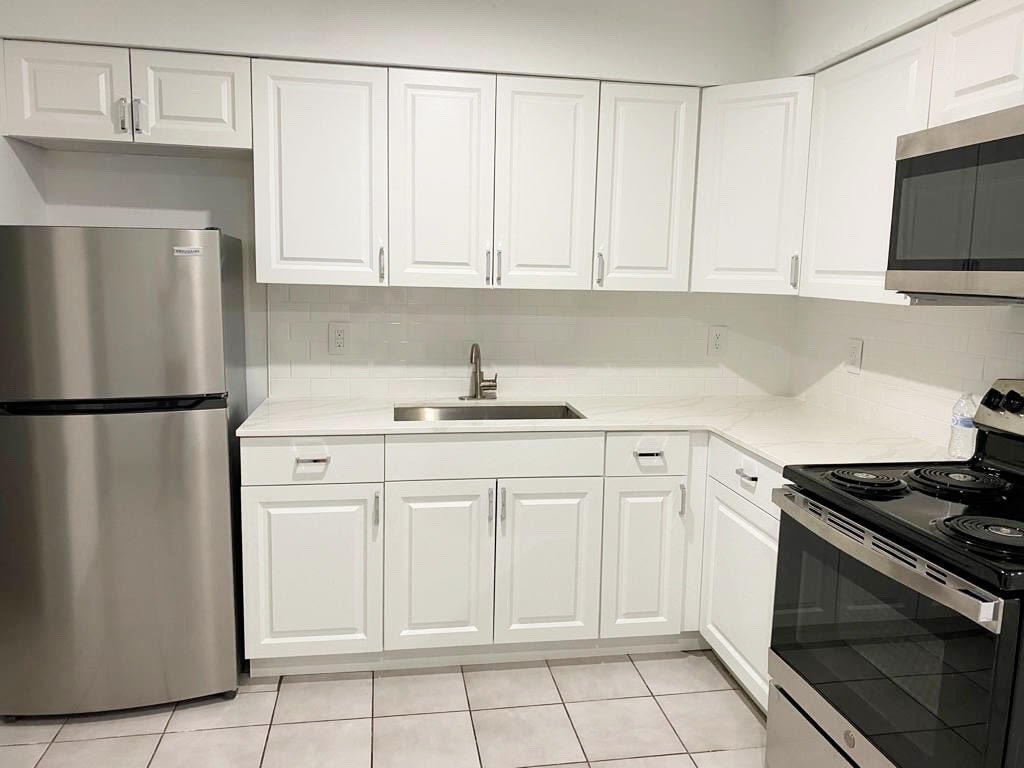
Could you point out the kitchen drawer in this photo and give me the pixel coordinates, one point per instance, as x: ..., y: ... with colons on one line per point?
x: 629, y: 454
x: 726, y: 462
x: 519, y: 454
x: 300, y: 460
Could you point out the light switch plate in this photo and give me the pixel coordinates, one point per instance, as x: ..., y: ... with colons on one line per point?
x: 718, y: 337
x: 854, y: 355
x: 338, y: 338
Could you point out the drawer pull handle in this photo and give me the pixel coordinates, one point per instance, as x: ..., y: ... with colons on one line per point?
x: 376, y: 509
x: 744, y: 476
x: 648, y: 455
x: 504, y: 505
x: 490, y: 505
x: 682, y: 499
x: 320, y: 460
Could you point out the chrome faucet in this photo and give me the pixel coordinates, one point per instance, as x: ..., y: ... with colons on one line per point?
x: 479, y: 387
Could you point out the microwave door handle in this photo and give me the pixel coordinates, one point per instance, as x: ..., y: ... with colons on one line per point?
x: 971, y: 602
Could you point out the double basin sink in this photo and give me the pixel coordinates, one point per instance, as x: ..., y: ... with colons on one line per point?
x: 486, y: 412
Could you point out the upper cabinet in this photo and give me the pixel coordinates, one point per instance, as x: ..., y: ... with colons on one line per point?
x: 320, y: 161
x: 441, y: 177
x: 647, y: 153
x: 751, y: 186
x: 979, y: 60
x: 860, y: 107
x: 95, y: 93
x: 545, y: 159
x: 67, y: 91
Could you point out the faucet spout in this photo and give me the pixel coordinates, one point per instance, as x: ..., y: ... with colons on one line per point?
x: 480, y: 388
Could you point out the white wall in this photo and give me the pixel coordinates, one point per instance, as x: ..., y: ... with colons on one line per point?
x: 21, y: 200
x: 682, y: 41
x: 811, y: 34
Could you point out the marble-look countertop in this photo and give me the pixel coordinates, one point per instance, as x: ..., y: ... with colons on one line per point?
x: 778, y: 429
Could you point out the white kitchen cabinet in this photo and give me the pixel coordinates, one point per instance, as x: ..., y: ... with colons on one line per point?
x: 646, y: 167
x: 979, y: 60
x: 439, y: 563
x: 548, y: 562
x: 860, y: 107
x: 441, y: 177
x: 312, y: 563
x: 191, y: 99
x: 545, y: 161
x: 68, y: 91
x: 738, y: 585
x: 643, y: 581
x: 320, y: 164
x: 751, y: 186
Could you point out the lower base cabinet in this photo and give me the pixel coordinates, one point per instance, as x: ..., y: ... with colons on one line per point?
x: 738, y: 588
x: 313, y: 558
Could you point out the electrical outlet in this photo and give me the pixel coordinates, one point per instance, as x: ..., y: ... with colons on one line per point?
x: 854, y: 355
x: 337, y: 338
x: 718, y: 335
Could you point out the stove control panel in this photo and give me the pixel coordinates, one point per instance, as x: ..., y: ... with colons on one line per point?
x: 1002, y: 407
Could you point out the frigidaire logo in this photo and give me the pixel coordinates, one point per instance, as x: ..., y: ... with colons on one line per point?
x: 188, y: 250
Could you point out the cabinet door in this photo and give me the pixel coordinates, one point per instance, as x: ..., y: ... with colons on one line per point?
x: 738, y: 587
x: 312, y: 568
x: 441, y: 171
x: 979, y: 60
x: 751, y: 186
x: 860, y: 107
x: 191, y: 99
x: 67, y: 91
x: 646, y: 168
x: 439, y: 564
x: 545, y: 161
x: 643, y: 578
x: 320, y: 172
x: 548, y: 571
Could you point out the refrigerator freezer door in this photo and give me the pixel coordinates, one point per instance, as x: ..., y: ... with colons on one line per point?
x: 115, y: 561
x: 91, y: 312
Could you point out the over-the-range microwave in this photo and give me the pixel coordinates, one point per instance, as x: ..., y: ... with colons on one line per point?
x: 958, y: 212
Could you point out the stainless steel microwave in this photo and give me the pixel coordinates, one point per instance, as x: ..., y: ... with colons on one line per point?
x: 957, y: 232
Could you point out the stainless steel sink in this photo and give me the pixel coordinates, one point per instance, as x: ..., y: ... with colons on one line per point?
x: 485, y: 412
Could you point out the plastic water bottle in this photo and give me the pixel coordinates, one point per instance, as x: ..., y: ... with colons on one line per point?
x: 962, y: 433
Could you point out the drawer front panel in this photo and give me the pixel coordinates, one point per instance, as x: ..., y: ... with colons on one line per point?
x: 750, y: 477
x: 637, y: 454
x: 302, y: 460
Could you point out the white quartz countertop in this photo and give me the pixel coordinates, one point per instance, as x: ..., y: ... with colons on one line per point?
x: 778, y: 429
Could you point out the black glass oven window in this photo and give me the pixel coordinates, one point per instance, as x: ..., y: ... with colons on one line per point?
x: 998, y: 240
x: 911, y: 675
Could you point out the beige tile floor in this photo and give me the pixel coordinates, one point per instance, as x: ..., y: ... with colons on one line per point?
x: 668, y: 710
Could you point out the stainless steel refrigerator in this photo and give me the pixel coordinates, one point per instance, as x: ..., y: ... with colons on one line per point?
x: 122, y: 379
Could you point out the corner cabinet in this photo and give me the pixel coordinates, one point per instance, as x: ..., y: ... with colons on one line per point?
x: 860, y: 107
x: 751, y: 186
x: 320, y: 162
x: 646, y: 168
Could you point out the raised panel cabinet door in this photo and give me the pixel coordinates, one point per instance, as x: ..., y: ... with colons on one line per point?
x: 544, y: 167
x: 312, y: 569
x: 441, y: 172
x: 646, y: 170
x: 439, y: 564
x: 64, y: 91
x: 860, y: 107
x: 547, y: 578
x: 738, y: 586
x: 979, y: 60
x: 643, y: 577
x: 751, y: 185
x: 320, y: 170
x: 191, y: 99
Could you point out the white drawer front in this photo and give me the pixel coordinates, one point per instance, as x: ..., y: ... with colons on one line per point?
x: 449, y: 457
x: 630, y: 454
x: 299, y: 460
x: 750, y: 477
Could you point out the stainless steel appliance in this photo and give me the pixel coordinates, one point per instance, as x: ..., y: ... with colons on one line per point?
x: 897, y: 635
x: 123, y: 382
x: 957, y: 234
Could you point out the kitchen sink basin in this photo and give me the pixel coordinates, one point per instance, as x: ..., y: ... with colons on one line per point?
x: 484, y: 412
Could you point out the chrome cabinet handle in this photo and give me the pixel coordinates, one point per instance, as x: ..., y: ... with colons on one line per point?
x: 744, y: 476
x: 648, y: 454
x: 497, y: 268
x: 794, y: 270
x: 487, y: 268
x: 600, y: 269
x: 682, y: 499
x: 318, y: 460
x: 504, y: 505
x: 490, y: 505
x: 137, y: 105
x: 380, y: 265
x: 122, y: 114
x: 376, y: 509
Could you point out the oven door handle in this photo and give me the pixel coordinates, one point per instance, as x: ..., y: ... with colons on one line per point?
x: 874, y: 551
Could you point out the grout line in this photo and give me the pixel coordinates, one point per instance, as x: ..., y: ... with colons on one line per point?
x: 270, y: 725
x: 373, y: 681
x: 469, y: 711
x: 583, y: 750
x: 50, y: 743
x: 660, y: 708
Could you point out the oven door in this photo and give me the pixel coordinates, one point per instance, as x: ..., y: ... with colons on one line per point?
x: 896, y: 667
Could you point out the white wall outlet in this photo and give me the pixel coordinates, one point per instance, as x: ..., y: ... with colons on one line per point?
x: 337, y: 338
x: 854, y: 355
x: 718, y: 335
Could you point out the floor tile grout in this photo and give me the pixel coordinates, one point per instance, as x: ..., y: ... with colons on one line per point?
x: 583, y: 750
x: 660, y: 708
x: 270, y: 725
x: 472, y: 722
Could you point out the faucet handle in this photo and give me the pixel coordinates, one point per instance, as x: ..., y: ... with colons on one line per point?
x: 489, y: 387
